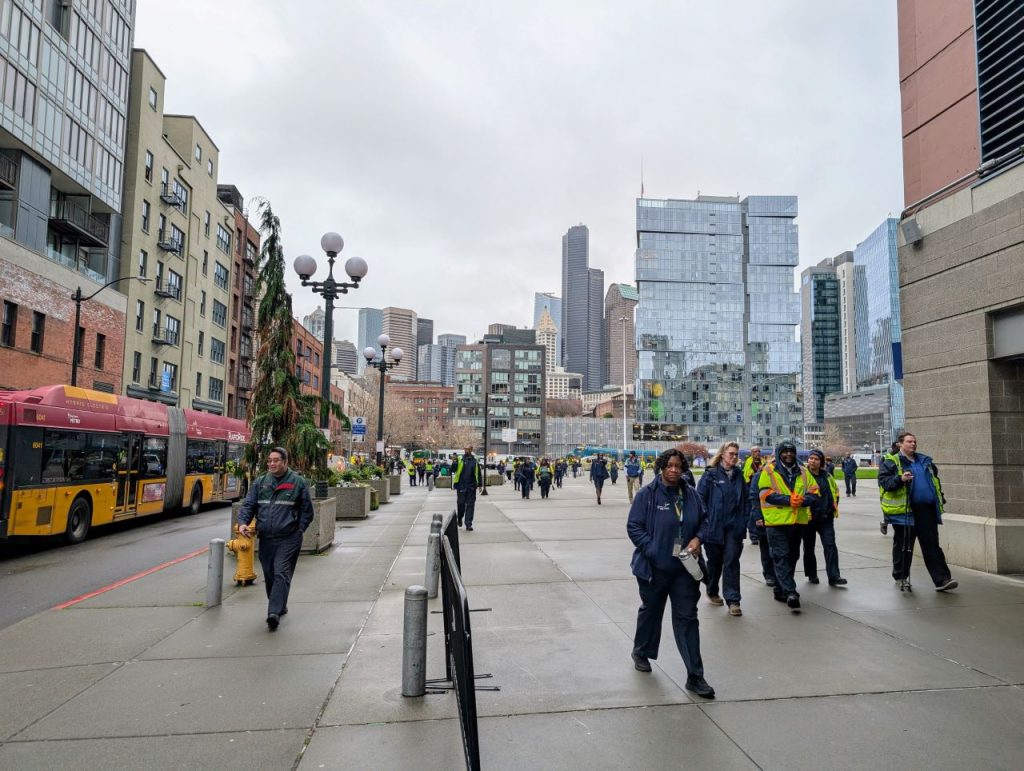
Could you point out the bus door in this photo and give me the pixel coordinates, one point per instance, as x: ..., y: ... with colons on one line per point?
x: 218, y: 469
x: 129, y: 462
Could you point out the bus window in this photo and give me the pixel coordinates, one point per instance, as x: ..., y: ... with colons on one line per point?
x: 75, y: 456
x: 27, y: 448
x: 200, y: 457
x: 154, y: 456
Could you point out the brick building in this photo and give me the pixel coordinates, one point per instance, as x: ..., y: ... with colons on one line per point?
x: 429, y: 401
x: 308, y: 369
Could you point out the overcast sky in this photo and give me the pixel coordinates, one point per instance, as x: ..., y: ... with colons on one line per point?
x: 453, y: 142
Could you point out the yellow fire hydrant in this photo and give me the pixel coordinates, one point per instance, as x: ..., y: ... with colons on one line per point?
x: 242, y: 547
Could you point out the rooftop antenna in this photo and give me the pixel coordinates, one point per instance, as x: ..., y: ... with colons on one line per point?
x: 641, y: 176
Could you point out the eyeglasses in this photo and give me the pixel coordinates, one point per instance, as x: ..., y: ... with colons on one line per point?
x: 732, y: 454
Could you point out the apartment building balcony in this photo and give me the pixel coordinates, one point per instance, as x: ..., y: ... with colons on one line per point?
x: 165, y: 289
x: 169, y: 196
x: 8, y: 173
x: 168, y: 244
x: 164, y: 337
x: 68, y: 217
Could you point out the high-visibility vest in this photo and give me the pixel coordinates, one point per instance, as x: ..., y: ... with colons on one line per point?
x: 770, y: 482
x: 748, y: 468
x: 897, y: 502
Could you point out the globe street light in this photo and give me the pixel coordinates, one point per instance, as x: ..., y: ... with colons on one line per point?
x: 77, y: 297
x: 382, y: 365
x: 330, y: 290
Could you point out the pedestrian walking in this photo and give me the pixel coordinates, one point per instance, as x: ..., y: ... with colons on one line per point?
x: 723, y: 495
x: 757, y: 524
x: 850, y: 475
x: 527, y: 476
x: 412, y: 473
x: 632, y: 469
x: 912, y: 501
x: 787, y: 490
x: 613, y: 470
x: 598, y: 473
x: 560, y: 468
x: 280, y: 503
x: 822, y: 523
x: 751, y: 468
x: 544, y: 477
x: 666, y: 525
x: 421, y: 472
x: 466, y: 480
x: 575, y: 467
x: 516, y: 476
x: 430, y: 473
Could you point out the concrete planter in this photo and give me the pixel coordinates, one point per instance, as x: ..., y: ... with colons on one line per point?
x: 495, y: 479
x: 396, y: 484
x: 444, y: 483
x: 351, y: 502
x: 383, y: 488
x: 320, y: 534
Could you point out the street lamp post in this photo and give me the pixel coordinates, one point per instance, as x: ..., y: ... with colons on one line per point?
x: 623, y: 319
x: 487, y: 431
x: 78, y: 299
x: 330, y: 289
x: 382, y: 365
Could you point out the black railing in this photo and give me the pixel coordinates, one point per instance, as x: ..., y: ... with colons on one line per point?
x: 165, y: 337
x: 459, y: 645
x: 166, y: 289
x: 172, y: 245
x: 171, y: 196
x: 74, y: 217
x: 8, y: 171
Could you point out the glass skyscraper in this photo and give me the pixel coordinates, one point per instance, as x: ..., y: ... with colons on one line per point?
x: 821, y: 338
x: 582, y: 308
x: 879, y: 343
x: 718, y: 356
x: 371, y: 325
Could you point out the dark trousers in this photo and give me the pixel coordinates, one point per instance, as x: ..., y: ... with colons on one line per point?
x: 784, y: 544
x: 724, y: 565
x: 767, y: 566
x: 465, y: 504
x: 278, y: 557
x: 525, y: 485
x: 558, y: 480
x: 412, y: 480
x: 851, y: 484
x: 926, y: 531
x: 544, y: 488
x: 825, y: 527
x: 684, y: 593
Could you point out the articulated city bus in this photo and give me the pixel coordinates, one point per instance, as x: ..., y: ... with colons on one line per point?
x: 72, y: 458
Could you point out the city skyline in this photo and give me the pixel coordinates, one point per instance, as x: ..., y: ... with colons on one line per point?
x: 439, y: 147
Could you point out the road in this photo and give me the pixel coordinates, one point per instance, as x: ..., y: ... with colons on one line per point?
x: 36, y: 575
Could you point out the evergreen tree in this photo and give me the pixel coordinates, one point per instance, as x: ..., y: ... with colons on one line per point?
x: 279, y: 414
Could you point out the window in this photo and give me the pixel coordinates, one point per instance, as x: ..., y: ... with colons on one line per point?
x: 199, y: 153
x: 152, y: 97
x: 316, y: 359
x: 38, y: 328
x: 316, y: 381
x: 199, y: 383
x: 165, y: 180
x: 136, y: 366
x: 153, y: 364
x: 140, y: 315
x: 220, y: 276
x: 162, y: 227
x: 200, y: 345
x: 174, y: 283
x: 10, y: 325
x: 149, y: 166
x: 101, y: 350
x: 143, y: 262
x: 209, y: 167
x: 202, y: 303
x: 216, y: 389
x: 159, y: 275
x: 216, y: 350
x: 223, y: 239
x: 156, y: 322
x: 206, y: 224
x: 172, y: 370
x: 145, y: 216
x: 206, y: 262
x: 220, y: 313
x: 172, y: 327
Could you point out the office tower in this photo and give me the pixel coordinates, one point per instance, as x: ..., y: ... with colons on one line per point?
x: 547, y: 335
x: 879, y: 342
x: 582, y: 318
x: 852, y: 314
x: 400, y: 326
x: 346, y: 357
x: 371, y: 325
x: 715, y: 325
x: 620, y: 335
x: 179, y: 232
x: 243, y: 340
x: 820, y: 340
x: 62, y: 155
x: 498, y: 328
x: 449, y: 344
x: 314, y: 322
x: 424, y: 331
x: 430, y: 363
x: 553, y: 305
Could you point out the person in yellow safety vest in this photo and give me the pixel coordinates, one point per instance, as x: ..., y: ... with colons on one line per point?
x: 823, y: 515
x: 786, y: 491
x: 752, y: 465
x: 411, y: 470
x: 912, y: 501
x: 429, y: 465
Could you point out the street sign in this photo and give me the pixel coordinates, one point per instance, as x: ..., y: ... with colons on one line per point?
x: 358, y: 438
x: 509, y: 434
x: 358, y: 425
x: 165, y: 381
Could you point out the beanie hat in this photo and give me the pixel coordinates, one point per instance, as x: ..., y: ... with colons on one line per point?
x: 819, y: 454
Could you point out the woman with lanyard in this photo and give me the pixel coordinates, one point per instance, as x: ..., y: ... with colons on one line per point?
x: 666, y: 525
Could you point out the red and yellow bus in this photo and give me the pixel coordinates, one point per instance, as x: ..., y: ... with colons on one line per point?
x: 72, y: 458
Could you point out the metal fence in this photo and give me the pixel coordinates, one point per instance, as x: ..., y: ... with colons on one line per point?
x: 459, y: 651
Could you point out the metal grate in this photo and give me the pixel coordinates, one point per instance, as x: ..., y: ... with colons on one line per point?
x: 999, y: 31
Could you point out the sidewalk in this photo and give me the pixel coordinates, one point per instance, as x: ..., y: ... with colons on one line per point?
x: 864, y: 677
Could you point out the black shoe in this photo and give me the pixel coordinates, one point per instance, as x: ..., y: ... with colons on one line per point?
x: 272, y: 621
x: 641, y: 663
x: 813, y: 579
x: 469, y: 527
x: 779, y: 597
x: 698, y: 685
x: 838, y: 582
x: 769, y: 582
x: 948, y: 585
x: 283, y: 612
x: 460, y: 521
x: 793, y: 601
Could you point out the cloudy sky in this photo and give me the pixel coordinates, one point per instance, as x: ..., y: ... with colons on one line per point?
x: 453, y: 142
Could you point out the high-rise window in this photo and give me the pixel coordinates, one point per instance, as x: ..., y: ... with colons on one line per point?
x: 220, y: 275
x: 10, y: 324
x: 152, y: 97
x: 38, y: 330
x: 136, y: 366
x: 101, y: 350
x: 199, y: 383
x: 216, y: 350
x: 172, y: 328
x: 145, y: 216
x: 148, y: 173
x: 143, y: 262
x: 171, y: 374
x: 216, y: 389
x: 220, y: 313
x: 140, y: 315
x: 200, y: 343
x: 202, y: 302
x: 223, y: 239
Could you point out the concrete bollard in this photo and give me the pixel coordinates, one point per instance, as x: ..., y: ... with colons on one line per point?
x: 414, y: 642
x: 215, y: 572
x: 433, y: 573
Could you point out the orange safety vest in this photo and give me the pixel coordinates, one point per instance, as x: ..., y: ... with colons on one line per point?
x: 770, y: 482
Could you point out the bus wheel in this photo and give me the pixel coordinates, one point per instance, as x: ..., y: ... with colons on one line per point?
x: 79, y: 519
x: 197, y: 499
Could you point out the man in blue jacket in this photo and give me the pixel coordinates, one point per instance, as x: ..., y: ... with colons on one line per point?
x: 280, y: 502
x: 632, y: 474
x: 850, y: 475
x: 466, y: 480
x: 723, y: 493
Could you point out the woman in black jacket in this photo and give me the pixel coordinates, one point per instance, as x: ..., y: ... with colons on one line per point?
x: 666, y: 520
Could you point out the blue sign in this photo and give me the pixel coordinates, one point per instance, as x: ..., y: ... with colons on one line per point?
x: 165, y: 383
x: 358, y: 426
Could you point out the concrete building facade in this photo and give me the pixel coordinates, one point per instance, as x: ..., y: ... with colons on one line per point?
x: 620, y: 334
x: 552, y: 303
x: 400, y: 325
x: 961, y: 268
x: 582, y: 317
x: 346, y: 357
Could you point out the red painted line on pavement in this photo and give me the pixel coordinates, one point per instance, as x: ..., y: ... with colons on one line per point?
x: 128, y: 580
